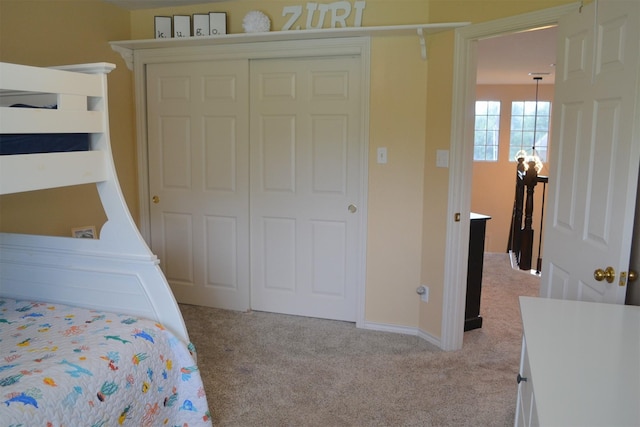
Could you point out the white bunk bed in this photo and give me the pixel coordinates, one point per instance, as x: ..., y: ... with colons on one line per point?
x: 90, y: 279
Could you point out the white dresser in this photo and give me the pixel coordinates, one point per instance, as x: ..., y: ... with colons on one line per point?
x: 580, y: 364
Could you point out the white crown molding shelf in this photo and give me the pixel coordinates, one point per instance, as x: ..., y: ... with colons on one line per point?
x: 126, y: 47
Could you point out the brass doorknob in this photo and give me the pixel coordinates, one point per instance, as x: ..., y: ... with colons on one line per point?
x: 633, y: 275
x: 608, y: 273
x: 155, y: 199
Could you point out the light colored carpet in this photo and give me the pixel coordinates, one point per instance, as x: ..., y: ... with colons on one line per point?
x: 265, y: 369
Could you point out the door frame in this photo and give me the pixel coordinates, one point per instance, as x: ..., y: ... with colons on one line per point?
x: 316, y: 48
x: 461, y: 155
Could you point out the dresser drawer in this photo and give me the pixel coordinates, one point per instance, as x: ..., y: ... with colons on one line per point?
x: 526, y: 413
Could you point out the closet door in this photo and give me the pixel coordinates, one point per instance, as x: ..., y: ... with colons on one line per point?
x: 198, y: 179
x: 305, y: 183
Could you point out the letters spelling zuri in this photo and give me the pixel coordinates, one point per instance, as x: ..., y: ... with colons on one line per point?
x: 317, y: 13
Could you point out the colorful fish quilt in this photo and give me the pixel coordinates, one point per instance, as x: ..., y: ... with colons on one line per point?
x: 69, y: 366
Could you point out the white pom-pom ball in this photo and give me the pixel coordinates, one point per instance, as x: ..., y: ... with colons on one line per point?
x: 256, y: 22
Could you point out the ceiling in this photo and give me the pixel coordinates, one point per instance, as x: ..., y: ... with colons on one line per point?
x: 149, y: 4
x: 505, y: 59
x: 509, y: 59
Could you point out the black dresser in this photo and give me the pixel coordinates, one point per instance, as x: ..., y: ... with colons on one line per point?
x: 472, y: 319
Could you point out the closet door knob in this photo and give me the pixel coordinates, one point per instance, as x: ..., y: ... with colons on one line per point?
x: 352, y: 208
x: 520, y: 378
x: 155, y: 199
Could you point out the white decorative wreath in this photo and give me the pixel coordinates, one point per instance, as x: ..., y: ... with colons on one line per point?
x: 256, y: 22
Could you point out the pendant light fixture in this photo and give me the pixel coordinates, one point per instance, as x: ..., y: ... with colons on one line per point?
x: 532, y: 160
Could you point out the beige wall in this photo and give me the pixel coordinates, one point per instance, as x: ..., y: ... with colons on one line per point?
x: 493, y: 188
x: 397, y: 112
x: 410, y: 115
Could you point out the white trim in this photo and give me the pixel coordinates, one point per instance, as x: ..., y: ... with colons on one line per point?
x: 404, y: 330
x: 429, y: 338
x: 365, y: 60
x: 125, y: 47
x: 387, y: 327
x: 461, y: 159
x: 357, y: 46
x: 140, y: 91
x: 288, y: 35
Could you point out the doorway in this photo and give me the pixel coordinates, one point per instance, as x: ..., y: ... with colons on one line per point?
x: 460, y: 172
x: 618, y: 80
x: 506, y: 67
x: 513, y: 70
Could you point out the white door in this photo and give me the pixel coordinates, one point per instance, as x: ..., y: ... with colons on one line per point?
x: 198, y: 179
x: 305, y: 186
x: 596, y: 154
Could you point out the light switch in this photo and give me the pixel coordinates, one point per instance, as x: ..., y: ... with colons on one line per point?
x: 442, y: 158
x: 382, y: 155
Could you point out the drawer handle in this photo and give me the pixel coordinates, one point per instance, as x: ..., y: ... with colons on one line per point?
x: 520, y: 378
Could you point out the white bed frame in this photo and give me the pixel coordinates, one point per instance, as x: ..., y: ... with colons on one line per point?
x: 117, y: 272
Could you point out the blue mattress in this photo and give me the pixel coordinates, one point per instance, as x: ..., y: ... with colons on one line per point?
x: 42, y: 143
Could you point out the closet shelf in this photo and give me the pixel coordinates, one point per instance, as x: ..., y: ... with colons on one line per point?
x: 126, y: 47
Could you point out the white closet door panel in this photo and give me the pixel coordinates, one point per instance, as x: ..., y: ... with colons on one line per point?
x: 178, y: 257
x: 278, y: 153
x: 329, y: 85
x: 305, y: 156
x: 279, y: 254
x: 220, y: 153
x: 329, y: 256
x: 175, y: 151
x: 222, y: 256
x: 329, y: 144
x: 198, y: 167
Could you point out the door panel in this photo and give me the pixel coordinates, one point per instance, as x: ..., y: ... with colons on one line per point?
x: 277, y: 156
x: 198, y: 169
x: 175, y: 152
x: 329, y: 269
x: 278, y: 254
x: 224, y: 253
x: 178, y: 256
x: 596, y: 156
x: 305, y: 156
x: 567, y: 159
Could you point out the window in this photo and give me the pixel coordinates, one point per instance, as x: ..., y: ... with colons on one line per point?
x: 487, y: 130
x: 525, y: 125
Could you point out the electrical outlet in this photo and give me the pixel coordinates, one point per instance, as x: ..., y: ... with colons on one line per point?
x: 423, y: 291
x: 425, y: 296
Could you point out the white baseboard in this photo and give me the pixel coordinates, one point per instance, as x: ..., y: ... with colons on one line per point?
x: 430, y: 338
x: 383, y: 327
